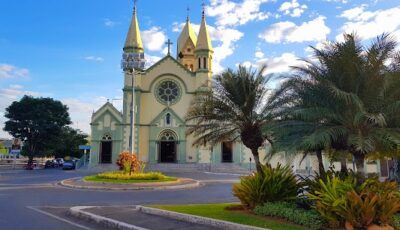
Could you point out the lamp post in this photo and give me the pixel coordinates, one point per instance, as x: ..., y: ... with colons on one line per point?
x: 131, y: 62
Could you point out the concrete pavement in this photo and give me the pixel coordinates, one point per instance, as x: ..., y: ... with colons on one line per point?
x: 20, y: 190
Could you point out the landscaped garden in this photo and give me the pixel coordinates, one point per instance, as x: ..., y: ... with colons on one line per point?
x: 131, y: 171
x: 342, y: 103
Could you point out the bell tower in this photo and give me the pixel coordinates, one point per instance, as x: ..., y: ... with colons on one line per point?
x: 204, y: 50
x: 186, y: 46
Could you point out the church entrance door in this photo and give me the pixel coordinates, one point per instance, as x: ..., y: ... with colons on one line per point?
x: 106, y: 152
x: 167, y: 151
x: 227, y: 155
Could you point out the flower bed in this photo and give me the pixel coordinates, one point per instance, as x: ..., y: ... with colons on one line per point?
x: 121, y: 177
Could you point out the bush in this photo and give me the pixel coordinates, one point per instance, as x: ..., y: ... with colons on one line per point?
x: 396, y: 222
x: 277, y: 184
x: 340, y: 201
x: 288, y: 211
x: 135, y: 176
x: 128, y: 162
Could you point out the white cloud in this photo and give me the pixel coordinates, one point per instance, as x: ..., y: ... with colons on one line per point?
x: 279, y: 64
x: 259, y: 54
x: 369, y: 24
x: 229, y: 13
x: 154, y: 39
x: 314, y: 30
x: 292, y: 8
x: 10, y: 71
x: 94, y: 58
x: 109, y: 23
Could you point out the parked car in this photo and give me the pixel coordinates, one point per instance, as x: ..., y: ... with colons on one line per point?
x: 49, y: 164
x: 70, y: 164
x: 60, y: 161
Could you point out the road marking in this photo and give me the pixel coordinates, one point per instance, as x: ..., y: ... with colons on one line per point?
x: 58, y: 218
x: 26, y: 187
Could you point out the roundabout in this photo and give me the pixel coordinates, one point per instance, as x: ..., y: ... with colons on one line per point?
x: 80, y: 183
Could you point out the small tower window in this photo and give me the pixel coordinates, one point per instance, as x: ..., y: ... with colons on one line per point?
x: 199, y: 63
x: 205, y: 63
x: 191, y: 67
x: 168, y: 119
x: 189, y: 50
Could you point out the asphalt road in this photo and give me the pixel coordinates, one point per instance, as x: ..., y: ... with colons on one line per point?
x: 27, y: 196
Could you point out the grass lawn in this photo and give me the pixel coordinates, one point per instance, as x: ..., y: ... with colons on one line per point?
x: 96, y: 178
x: 220, y: 212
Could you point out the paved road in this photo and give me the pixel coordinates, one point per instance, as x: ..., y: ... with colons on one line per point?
x: 23, y: 193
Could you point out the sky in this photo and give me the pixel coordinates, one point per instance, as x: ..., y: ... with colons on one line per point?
x: 71, y: 50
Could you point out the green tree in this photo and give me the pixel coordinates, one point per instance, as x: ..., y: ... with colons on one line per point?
x: 236, y: 108
x: 38, y: 122
x: 67, y: 143
x: 350, y: 97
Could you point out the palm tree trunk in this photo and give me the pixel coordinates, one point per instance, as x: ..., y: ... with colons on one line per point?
x: 257, y: 161
x: 359, y: 159
x: 343, y: 165
x: 321, y: 168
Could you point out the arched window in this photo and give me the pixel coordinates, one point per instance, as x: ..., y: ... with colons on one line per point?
x: 199, y: 63
x: 168, y: 136
x: 191, y: 68
x: 205, y: 63
x: 106, y: 137
x: 168, y: 119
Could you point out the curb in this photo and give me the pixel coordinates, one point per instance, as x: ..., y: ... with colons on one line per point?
x: 108, y: 186
x: 78, y: 212
x: 197, y: 219
x: 108, y: 222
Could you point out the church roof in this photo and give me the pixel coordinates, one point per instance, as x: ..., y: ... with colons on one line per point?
x: 186, y: 35
x: 133, y: 41
x: 169, y: 57
x: 203, y: 40
x: 107, y: 107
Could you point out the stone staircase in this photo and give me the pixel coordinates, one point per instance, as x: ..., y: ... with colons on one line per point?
x: 198, y: 167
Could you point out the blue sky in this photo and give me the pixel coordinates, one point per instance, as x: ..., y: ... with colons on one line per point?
x: 71, y: 49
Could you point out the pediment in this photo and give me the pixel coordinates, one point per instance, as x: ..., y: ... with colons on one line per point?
x: 107, y: 108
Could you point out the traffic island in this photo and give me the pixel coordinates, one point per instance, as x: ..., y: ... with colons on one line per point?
x: 80, y: 183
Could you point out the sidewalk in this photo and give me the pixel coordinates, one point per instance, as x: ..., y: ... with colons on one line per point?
x: 146, y: 218
x: 125, y: 216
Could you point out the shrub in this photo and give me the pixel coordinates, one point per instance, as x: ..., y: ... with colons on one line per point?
x: 288, y: 211
x: 341, y: 201
x: 277, y: 184
x: 135, y: 176
x: 330, y: 197
x: 128, y: 162
x: 396, y: 222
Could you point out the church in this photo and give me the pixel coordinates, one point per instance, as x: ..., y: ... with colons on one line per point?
x: 163, y: 94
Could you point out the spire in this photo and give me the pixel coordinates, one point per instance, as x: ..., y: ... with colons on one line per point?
x: 204, y: 41
x: 186, y: 35
x: 133, y: 41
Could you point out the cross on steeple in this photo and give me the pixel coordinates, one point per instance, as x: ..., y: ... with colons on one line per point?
x: 169, y: 43
x: 188, y: 12
x: 134, y: 6
x: 204, y: 8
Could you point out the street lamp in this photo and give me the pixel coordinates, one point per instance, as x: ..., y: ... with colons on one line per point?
x: 131, y: 62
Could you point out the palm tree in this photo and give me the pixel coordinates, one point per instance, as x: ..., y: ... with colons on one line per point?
x: 236, y: 108
x: 348, y: 92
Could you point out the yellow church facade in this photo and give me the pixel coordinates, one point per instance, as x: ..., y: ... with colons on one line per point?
x: 163, y: 94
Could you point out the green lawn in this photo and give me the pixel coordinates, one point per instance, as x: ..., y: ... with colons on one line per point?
x: 96, y: 178
x: 219, y: 211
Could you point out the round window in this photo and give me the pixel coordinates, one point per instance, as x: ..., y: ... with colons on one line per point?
x: 168, y: 92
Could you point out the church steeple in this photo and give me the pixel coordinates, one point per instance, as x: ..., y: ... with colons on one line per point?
x: 133, y: 41
x: 186, y: 45
x: 204, y: 49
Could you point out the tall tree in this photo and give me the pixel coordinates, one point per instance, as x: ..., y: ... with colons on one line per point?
x: 67, y: 144
x: 348, y: 92
x: 38, y: 122
x: 236, y: 108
